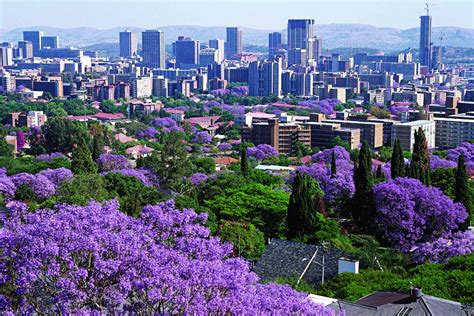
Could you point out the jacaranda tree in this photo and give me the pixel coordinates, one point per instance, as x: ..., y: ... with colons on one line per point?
x: 95, y: 258
x: 409, y: 213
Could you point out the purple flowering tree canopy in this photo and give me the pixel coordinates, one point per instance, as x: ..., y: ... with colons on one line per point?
x: 202, y: 137
x: 325, y: 156
x: 95, y: 258
x: 224, y: 147
x: 441, y: 249
x: 109, y: 162
x: 262, y: 151
x: 409, y: 213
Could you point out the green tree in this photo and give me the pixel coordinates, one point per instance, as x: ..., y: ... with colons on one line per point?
x: 82, y: 158
x: 333, y: 165
x: 421, y: 158
x: 262, y: 206
x: 385, y: 153
x: 133, y: 195
x: 6, y: 149
x: 444, y: 179
x: 397, y: 163
x: 244, y: 162
x: 247, y: 240
x: 171, y: 162
x: 337, y: 141
x: 462, y: 191
x: 363, y: 205
x: 81, y: 189
x: 303, y: 208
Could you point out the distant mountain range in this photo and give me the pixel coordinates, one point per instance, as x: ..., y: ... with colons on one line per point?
x: 333, y: 35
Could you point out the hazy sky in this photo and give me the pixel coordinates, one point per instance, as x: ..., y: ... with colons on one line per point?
x: 260, y: 14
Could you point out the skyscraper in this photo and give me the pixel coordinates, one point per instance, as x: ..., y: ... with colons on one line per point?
x: 425, y: 41
x: 300, y: 36
x: 26, y: 48
x: 219, y: 45
x: 274, y: 43
x: 233, y: 45
x: 153, y: 42
x: 50, y: 42
x: 187, y: 53
x: 317, y: 48
x: 35, y: 38
x: 128, y: 44
x: 265, y: 78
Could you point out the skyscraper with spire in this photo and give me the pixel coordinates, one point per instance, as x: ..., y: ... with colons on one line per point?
x: 425, y: 39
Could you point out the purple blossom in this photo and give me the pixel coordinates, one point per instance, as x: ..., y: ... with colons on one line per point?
x: 198, y: 178
x: 109, y: 162
x: 410, y: 213
x: 166, y: 124
x: 436, y: 162
x: 466, y: 149
x: 20, y: 140
x: 57, y: 176
x: 337, y: 188
x: 7, y: 187
x: 96, y: 258
x: 48, y: 157
x: 224, y: 147
x: 41, y: 186
x: 325, y: 156
x: 146, y: 176
x: 202, y: 137
x: 262, y: 151
x: 149, y: 132
x: 441, y: 249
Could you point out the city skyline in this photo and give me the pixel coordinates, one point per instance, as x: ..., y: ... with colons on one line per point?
x: 147, y: 14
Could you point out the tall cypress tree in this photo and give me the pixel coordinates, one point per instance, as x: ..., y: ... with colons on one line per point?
x: 244, y: 162
x: 306, y: 201
x: 333, y: 164
x: 397, y: 163
x: 363, y: 205
x: 82, y: 158
x: 421, y: 158
x: 462, y: 191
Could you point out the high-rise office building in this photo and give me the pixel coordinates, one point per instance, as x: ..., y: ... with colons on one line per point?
x: 6, y: 56
x: 265, y: 78
x: 208, y: 56
x: 300, y: 36
x: 219, y: 45
x: 425, y: 41
x: 437, y: 57
x: 233, y: 44
x: 35, y: 38
x: 317, y: 48
x: 274, y: 43
x: 128, y: 44
x: 153, y: 45
x: 50, y: 42
x: 187, y: 53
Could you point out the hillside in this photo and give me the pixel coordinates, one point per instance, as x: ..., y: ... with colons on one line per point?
x: 334, y: 35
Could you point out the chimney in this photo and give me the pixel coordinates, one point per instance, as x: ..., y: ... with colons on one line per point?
x: 415, y: 293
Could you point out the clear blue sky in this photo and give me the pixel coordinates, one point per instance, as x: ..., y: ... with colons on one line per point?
x: 260, y: 14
